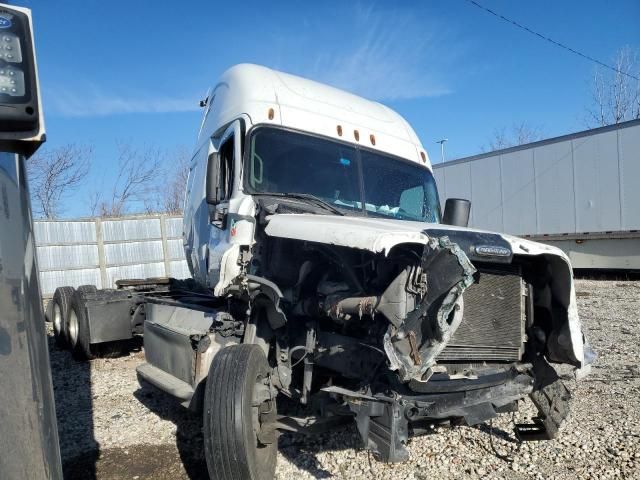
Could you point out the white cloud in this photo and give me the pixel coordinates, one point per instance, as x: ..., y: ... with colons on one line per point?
x: 91, y: 101
x: 388, y: 55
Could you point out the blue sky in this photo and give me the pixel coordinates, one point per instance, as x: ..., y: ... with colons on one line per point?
x: 133, y: 71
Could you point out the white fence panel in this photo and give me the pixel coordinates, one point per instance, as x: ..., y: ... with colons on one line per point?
x: 133, y: 252
x: 64, y: 232
x: 53, y: 279
x: 137, y: 229
x: 64, y: 257
x: 101, y: 251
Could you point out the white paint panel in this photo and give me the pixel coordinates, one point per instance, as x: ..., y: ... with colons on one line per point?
x: 554, y: 188
x: 53, y: 279
x: 618, y: 253
x: 458, y: 184
x: 629, y: 145
x: 134, y: 229
x: 486, y: 198
x: 518, y: 193
x: 133, y: 252
x: 596, y: 182
x: 67, y: 257
x: 175, y: 249
x: 147, y: 270
x: 179, y: 269
x: 64, y: 232
x: 173, y: 227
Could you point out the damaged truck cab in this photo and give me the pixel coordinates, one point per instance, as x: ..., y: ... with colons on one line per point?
x: 316, y: 210
x: 324, y: 271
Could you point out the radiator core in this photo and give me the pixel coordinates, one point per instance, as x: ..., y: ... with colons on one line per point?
x: 494, y: 315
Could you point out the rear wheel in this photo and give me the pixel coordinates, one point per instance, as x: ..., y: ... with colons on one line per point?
x: 61, y: 305
x: 48, y: 312
x: 90, y: 289
x: 78, y: 328
x: 239, y: 415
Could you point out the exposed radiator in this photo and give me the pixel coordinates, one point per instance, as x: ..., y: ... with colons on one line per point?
x: 492, y: 327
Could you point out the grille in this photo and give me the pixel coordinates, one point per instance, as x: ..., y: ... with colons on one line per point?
x: 492, y: 327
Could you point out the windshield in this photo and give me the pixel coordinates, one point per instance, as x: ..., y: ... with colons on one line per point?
x: 282, y: 161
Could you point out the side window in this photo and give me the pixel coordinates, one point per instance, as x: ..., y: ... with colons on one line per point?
x: 225, y: 179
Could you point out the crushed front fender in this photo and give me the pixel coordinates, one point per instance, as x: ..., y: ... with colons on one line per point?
x: 413, y: 346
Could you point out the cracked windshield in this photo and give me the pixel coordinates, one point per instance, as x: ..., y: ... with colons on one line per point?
x: 285, y: 162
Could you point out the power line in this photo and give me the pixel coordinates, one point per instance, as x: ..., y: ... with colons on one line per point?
x: 550, y: 40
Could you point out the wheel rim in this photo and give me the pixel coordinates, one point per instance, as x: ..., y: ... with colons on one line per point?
x: 73, y: 328
x: 263, y: 416
x: 57, y: 319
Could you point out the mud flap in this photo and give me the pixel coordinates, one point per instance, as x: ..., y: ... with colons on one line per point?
x: 551, y: 397
x: 383, y: 428
x: 413, y: 346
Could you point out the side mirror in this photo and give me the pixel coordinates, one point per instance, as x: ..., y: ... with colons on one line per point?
x: 456, y: 212
x: 213, y: 169
x: 21, y: 122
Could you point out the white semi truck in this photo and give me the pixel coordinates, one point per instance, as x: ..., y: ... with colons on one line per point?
x: 324, y: 271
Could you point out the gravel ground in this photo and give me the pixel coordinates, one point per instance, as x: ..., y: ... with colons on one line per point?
x: 111, y: 428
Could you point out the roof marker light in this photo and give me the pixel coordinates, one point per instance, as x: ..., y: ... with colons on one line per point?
x: 271, y: 114
x: 339, y: 128
x: 424, y: 157
x: 373, y: 139
x: 356, y: 135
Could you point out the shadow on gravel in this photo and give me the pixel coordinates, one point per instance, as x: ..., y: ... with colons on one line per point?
x: 189, y: 440
x: 302, y: 450
x: 497, y: 432
x: 74, y: 409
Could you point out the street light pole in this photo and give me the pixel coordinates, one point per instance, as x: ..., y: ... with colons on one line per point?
x: 442, y: 142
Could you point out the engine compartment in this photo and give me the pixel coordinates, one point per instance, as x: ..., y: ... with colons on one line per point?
x: 401, y: 337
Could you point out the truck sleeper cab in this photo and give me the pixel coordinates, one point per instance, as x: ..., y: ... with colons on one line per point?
x: 323, y: 272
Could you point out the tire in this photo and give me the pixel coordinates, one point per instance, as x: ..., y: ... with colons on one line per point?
x: 232, y: 448
x: 90, y: 289
x: 48, y: 312
x: 78, y: 329
x: 60, y: 314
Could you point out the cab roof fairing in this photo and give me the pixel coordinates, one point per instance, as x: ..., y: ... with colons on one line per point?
x: 306, y: 105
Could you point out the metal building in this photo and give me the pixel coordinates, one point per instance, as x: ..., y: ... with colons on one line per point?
x: 580, y: 192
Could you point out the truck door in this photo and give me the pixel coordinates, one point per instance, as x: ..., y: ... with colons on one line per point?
x: 230, y: 210
x: 195, y: 222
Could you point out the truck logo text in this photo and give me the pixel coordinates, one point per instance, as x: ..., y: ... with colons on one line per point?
x: 491, y: 251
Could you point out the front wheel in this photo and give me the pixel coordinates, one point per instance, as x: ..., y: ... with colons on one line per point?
x: 239, y: 415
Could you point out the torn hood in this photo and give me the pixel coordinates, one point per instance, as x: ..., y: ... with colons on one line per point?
x: 380, y: 235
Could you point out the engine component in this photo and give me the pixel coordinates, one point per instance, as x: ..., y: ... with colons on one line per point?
x: 493, y: 323
x: 413, y: 346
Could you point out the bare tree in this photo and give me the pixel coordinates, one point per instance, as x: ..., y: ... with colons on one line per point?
x: 616, y: 95
x: 54, y: 174
x: 135, y: 183
x: 518, y: 134
x: 170, y: 194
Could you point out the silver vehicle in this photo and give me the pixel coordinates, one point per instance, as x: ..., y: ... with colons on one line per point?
x: 324, y: 271
x: 28, y: 431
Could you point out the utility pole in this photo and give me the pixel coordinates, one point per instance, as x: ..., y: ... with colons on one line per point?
x: 442, y: 142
